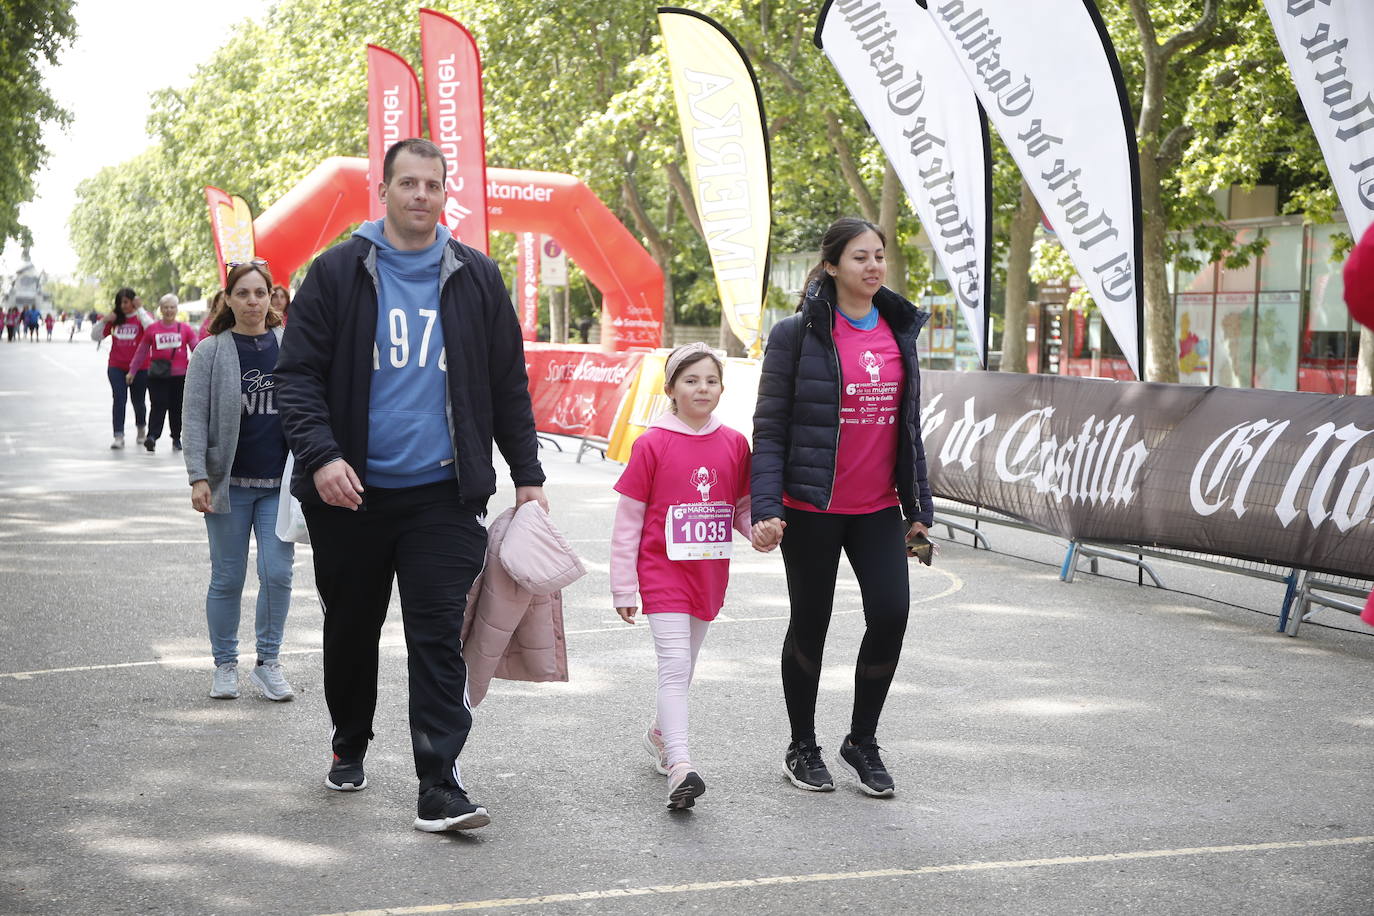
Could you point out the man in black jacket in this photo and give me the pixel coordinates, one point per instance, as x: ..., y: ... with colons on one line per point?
x: 402, y: 362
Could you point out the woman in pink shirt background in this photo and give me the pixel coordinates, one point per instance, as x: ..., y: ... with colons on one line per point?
x: 166, y: 347
x: 128, y: 380
x: 682, y: 495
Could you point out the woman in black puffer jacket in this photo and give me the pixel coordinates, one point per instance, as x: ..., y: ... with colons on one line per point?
x: 839, y: 463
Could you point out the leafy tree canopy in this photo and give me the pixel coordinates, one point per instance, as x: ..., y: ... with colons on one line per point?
x: 32, y: 34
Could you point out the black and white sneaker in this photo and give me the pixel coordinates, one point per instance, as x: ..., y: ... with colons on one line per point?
x: 346, y: 775
x: 448, y: 808
x: 685, y: 786
x: 863, y: 761
x: 805, y: 768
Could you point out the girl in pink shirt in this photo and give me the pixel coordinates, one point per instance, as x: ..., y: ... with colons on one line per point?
x: 683, y: 493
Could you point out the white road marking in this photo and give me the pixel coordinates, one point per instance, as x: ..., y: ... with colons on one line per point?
x: 67, y: 369
x: 955, y: 585
x: 775, y: 880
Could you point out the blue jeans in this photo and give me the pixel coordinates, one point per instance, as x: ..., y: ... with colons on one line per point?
x: 123, y: 392
x: 250, y: 509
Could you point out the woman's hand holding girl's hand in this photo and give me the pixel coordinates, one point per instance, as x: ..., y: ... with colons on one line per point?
x: 767, y: 534
x: 627, y: 614
x: 200, y: 496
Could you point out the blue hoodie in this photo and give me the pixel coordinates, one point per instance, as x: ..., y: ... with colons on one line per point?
x: 408, y: 438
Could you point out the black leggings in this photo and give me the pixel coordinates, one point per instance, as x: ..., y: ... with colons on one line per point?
x: 876, y: 549
x: 165, y: 395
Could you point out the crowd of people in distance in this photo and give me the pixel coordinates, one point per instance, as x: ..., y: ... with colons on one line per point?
x: 27, y: 323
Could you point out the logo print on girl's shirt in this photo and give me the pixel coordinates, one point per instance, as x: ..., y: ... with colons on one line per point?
x: 703, y: 480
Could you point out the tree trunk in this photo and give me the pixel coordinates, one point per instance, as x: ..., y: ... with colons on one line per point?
x: 728, y: 341
x: 1161, y: 348
x: 566, y: 306
x: 1156, y: 156
x: 558, y: 331
x: 1017, y: 293
x: 1364, y: 374
x: 659, y: 247
x: 888, y: 210
x: 834, y: 132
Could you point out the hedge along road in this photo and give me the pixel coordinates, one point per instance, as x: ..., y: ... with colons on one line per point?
x: 1057, y: 748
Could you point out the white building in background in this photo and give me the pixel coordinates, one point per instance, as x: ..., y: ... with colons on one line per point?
x: 26, y: 288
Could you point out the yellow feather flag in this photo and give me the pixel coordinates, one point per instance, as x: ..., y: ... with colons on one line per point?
x: 721, y: 113
x: 232, y: 227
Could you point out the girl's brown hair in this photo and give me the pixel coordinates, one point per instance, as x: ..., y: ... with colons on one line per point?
x: 224, y: 318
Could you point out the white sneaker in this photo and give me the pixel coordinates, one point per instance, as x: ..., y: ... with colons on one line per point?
x: 142, y: 433
x: 653, y: 743
x: 267, y: 675
x: 226, y: 683
x: 118, y: 441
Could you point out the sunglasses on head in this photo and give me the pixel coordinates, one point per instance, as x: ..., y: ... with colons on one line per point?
x: 256, y: 262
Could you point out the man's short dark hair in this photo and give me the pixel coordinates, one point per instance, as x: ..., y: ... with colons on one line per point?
x: 418, y: 146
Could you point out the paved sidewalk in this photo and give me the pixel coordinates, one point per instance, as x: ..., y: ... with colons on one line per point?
x: 1058, y: 749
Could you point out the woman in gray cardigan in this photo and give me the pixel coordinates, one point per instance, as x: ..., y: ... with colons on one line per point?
x: 235, y: 451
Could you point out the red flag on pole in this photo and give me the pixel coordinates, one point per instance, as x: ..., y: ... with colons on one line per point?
x: 393, y: 113
x: 231, y: 225
x: 453, y: 96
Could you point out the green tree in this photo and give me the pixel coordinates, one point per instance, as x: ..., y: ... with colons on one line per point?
x: 32, y: 33
x: 120, y: 228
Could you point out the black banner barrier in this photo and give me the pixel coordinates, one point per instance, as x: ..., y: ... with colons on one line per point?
x: 1278, y: 477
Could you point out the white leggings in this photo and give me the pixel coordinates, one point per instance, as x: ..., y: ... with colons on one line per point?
x: 677, y: 640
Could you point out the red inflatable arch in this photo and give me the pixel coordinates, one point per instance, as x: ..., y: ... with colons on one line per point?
x: 335, y: 196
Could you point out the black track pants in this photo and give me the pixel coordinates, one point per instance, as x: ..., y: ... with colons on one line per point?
x: 165, y: 395
x: 876, y: 550
x: 434, y: 547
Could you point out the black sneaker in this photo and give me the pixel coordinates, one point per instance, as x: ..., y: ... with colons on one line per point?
x: 863, y: 761
x: 346, y: 775
x: 805, y: 768
x: 150, y: 444
x: 685, y: 785
x: 447, y: 808
x: 176, y: 445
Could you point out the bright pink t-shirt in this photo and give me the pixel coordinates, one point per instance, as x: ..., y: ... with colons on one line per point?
x: 872, y: 377
x: 691, y: 483
x: 124, y: 341
x: 164, y: 341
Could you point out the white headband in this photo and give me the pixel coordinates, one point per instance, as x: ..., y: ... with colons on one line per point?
x: 681, y: 354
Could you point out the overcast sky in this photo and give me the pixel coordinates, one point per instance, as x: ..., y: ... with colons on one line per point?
x: 123, y: 52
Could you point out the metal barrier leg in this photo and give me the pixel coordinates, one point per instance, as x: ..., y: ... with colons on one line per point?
x: 1301, y: 602
x: 545, y: 440
x: 978, y: 537
x: 1070, y: 567
x: 1290, y: 592
x: 1093, y: 553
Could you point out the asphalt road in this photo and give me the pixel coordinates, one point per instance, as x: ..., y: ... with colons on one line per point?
x: 1058, y: 749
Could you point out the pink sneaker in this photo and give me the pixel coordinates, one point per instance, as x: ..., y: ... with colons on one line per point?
x: 653, y: 743
x: 684, y: 785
